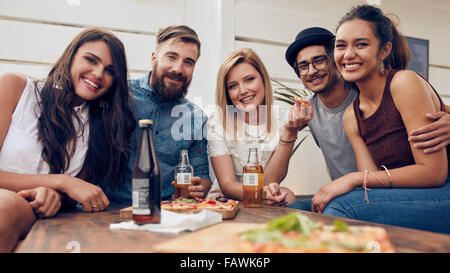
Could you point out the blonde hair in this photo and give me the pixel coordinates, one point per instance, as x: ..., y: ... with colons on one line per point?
x: 245, y: 55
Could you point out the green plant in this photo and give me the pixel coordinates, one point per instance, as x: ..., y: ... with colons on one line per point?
x: 287, y: 94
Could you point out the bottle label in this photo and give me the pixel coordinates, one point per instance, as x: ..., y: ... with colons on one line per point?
x: 184, y: 178
x: 141, y: 191
x: 250, y: 179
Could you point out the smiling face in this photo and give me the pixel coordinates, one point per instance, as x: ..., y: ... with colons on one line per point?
x: 91, y: 71
x: 245, y: 87
x: 357, y: 51
x: 173, y: 66
x: 316, y: 80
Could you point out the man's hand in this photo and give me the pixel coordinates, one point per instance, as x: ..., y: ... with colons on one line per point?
x: 434, y: 136
x: 298, y: 117
x: 199, y: 187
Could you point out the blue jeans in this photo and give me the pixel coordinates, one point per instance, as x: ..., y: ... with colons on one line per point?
x: 419, y: 208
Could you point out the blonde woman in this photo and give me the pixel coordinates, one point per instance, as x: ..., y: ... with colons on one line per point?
x: 246, y: 117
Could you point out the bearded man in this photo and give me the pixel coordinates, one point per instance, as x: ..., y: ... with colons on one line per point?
x: 178, y: 124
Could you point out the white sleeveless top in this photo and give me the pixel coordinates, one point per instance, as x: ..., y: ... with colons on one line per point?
x: 21, y: 151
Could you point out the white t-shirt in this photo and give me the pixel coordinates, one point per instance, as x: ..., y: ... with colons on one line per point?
x: 21, y: 150
x: 257, y: 136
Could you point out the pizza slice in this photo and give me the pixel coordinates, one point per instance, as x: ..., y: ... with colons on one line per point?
x: 305, y: 102
x: 295, y: 232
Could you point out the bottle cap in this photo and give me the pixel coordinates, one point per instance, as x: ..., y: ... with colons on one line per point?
x: 146, y: 122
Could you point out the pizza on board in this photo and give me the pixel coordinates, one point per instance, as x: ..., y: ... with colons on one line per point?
x: 199, y: 203
x: 227, y: 207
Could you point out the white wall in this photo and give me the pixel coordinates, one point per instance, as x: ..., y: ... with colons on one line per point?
x: 34, y: 32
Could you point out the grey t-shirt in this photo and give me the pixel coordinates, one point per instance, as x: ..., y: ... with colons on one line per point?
x: 328, y: 132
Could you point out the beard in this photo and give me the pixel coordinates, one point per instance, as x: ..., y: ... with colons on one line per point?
x: 169, y: 93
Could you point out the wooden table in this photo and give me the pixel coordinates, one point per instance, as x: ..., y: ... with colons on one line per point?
x: 89, y: 232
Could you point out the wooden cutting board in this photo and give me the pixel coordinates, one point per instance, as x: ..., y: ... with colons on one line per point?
x: 127, y: 213
x: 220, y: 238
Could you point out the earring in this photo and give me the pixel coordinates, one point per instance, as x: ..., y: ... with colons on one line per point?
x: 382, y: 69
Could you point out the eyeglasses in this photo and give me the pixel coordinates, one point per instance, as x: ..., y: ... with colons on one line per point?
x: 318, y: 62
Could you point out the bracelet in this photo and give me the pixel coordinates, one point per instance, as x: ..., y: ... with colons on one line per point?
x: 389, y: 174
x: 366, y: 197
x: 379, y: 180
x: 285, y: 142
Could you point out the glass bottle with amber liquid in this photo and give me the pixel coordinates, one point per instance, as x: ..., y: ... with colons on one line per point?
x: 183, y: 175
x: 146, y: 178
x: 253, y: 181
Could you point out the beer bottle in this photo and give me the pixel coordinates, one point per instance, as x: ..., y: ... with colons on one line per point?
x: 183, y: 175
x: 253, y: 181
x: 146, y: 178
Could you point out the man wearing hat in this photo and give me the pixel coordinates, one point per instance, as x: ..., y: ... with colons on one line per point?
x: 311, y: 57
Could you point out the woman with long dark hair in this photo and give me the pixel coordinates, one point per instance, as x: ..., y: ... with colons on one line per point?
x: 65, y: 137
x: 408, y: 187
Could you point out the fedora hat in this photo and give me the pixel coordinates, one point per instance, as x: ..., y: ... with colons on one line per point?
x: 307, y: 37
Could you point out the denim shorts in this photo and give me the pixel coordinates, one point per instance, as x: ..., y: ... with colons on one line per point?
x: 419, y: 208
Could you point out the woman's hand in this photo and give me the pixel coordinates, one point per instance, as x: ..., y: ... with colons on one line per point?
x: 332, y: 190
x: 45, y: 202
x: 90, y: 196
x: 278, y: 196
x: 274, y: 196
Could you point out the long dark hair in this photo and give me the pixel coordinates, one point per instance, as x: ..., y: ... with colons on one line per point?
x: 111, y: 121
x: 386, y: 31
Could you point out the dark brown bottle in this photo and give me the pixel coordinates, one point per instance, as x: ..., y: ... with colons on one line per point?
x: 146, y: 178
